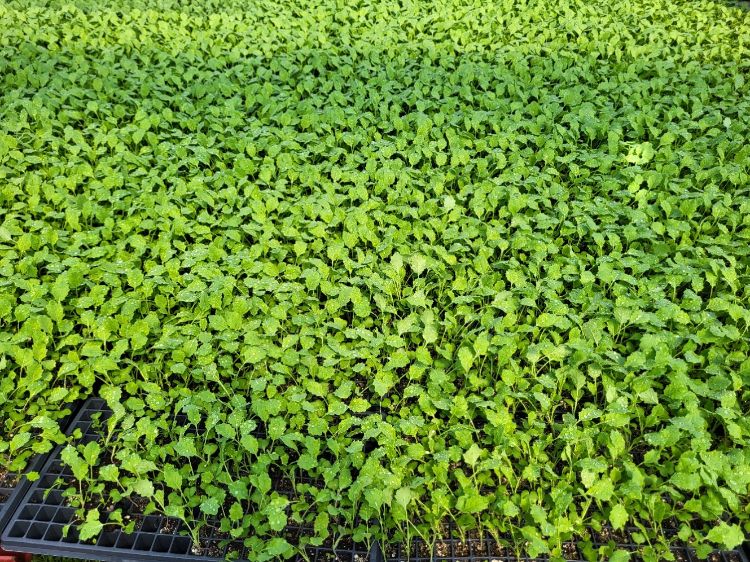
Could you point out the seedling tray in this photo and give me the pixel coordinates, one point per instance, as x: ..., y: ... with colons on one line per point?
x: 472, y: 548
x: 37, y: 526
x: 13, y: 485
x: 40, y: 515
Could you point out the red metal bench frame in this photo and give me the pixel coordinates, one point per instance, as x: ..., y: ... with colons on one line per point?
x: 14, y: 556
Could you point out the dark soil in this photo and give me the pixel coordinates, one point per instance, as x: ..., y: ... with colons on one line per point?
x: 607, y: 534
x: 496, y: 550
x: 8, y: 479
x: 346, y: 543
x: 442, y: 549
x: 139, y: 504
x: 461, y: 549
x: 212, y: 550
x: 570, y: 550
x: 169, y: 527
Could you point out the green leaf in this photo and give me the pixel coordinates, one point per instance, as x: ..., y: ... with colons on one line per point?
x: 726, y: 535
x: 19, y: 440
x: 383, y: 383
x: 359, y: 405
x: 91, y: 527
x: 307, y: 462
x: 482, y: 344
x: 602, y: 489
x: 78, y: 466
x: 466, y: 358
x: 430, y: 334
x: 619, y: 556
x: 210, y: 506
x: 236, y: 513
x: 418, y: 263
x: 471, y: 456
x: 143, y: 488
x: 278, y: 548
x: 516, y: 277
x: 276, y: 512
x: 60, y: 289
x: 185, y: 447
x: 472, y: 502
x: 109, y: 473
x: 322, y: 525
x: 404, y: 496
x: 172, y: 477
x: 618, y: 516
x: 91, y: 453
x: 253, y: 354
x: 405, y: 324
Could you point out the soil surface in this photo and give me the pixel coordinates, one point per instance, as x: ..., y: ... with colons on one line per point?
x: 8, y: 479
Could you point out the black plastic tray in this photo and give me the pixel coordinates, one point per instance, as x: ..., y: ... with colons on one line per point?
x: 11, y: 495
x: 37, y: 525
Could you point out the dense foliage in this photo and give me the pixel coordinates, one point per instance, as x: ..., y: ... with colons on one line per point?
x: 457, y: 260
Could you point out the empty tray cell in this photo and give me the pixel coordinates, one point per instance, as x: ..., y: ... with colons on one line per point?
x: 162, y: 544
x: 18, y: 529
x: 143, y: 541
x: 170, y: 526
x: 64, y: 515
x: 180, y: 545
x: 214, y: 549
x: 54, y: 533
x: 28, y: 512
x: 125, y: 541
x: 570, y: 551
x: 36, y: 531
x: 108, y: 539
x: 394, y: 552
x: 46, y: 513
x: 48, y: 480
x: 57, y: 468
x: 54, y: 497
x: 72, y: 535
x: 150, y: 524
